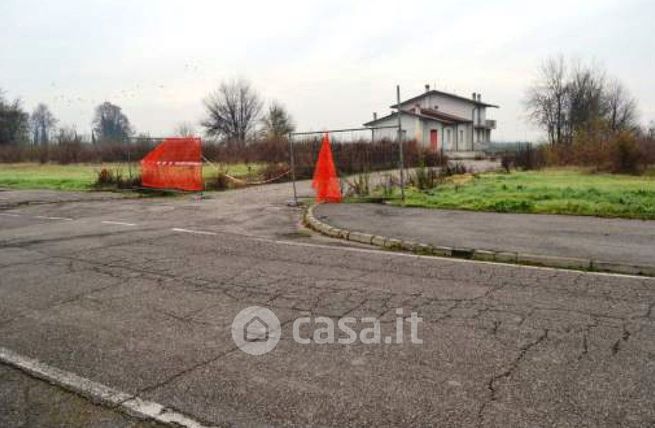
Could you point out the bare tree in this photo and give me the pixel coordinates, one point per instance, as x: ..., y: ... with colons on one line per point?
x: 184, y: 129
x: 578, y: 99
x: 277, y: 123
x: 621, y: 107
x: 43, y: 124
x: 14, y: 122
x: 547, y: 99
x: 110, y: 123
x: 232, y: 111
x: 586, y: 90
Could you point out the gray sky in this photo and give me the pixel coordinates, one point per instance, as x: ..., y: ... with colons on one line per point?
x: 332, y: 63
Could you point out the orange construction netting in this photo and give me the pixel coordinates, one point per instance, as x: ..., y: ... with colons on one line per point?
x: 173, y: 164
x: 326, y: 182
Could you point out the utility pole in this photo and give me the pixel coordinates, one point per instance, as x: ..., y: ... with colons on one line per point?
x: 400, y: 146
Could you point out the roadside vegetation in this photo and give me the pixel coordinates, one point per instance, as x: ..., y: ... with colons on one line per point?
x: 571, y: 191
x: 79, y: 177
x: 589, y: 121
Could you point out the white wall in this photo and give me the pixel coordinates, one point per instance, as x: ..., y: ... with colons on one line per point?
x: 408, y: 123
x: 445, y: 104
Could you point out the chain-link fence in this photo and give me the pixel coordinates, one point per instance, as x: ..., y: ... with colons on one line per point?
x: 365, y: 158
x: 372, y: 163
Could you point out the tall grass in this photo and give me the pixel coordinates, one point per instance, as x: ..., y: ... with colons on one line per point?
x: 551, y: 191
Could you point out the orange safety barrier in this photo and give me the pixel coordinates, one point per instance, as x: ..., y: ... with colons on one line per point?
x: 325, y: 180
x: 173, y: 164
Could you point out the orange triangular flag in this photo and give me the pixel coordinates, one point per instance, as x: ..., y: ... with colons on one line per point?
x: 326, y: 181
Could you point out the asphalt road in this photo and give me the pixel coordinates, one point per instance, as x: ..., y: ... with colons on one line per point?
x: 139, y: 295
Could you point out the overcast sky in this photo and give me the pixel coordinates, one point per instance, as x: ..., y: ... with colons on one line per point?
x: 332, y: 63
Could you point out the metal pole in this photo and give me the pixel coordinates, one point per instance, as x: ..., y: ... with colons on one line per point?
x: 129, y: 158
x: 292, y: 165
x: 400, y: 146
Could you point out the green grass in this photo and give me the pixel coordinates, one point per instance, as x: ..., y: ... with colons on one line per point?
x: 57, y: 177
x: 82, y: 176
x: 240, y: 170
x: 551, y: 191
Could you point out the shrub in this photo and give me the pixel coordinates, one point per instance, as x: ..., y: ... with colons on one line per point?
x: 506, y: 162
x: 388, y: 184
x: 113, y: 178
x: 425, y: 178
x: 453, y: 168
x: 527, y: 158
x: 603, y: 150
x: 220, y: 181
x: 274, y: 172
x: 105, y: 177
x: 359, y: 186
x: 626, y: 157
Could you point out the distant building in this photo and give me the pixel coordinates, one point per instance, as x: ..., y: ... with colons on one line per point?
x: 442, y: 121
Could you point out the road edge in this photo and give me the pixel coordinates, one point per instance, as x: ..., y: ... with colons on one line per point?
x: 98, y: 393
x: 395, y: 244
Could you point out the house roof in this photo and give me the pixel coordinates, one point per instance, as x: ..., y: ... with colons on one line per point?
x: 445, y: 94
x: 443, y: 116
x: 389, y: 116
x: 425, y: 113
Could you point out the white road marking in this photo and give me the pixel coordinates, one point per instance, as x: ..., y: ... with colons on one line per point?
x: 120, y: 223
x: 97, y: 392
x: 197, y: 232
x: 53, y: 218
x: 10, y: 215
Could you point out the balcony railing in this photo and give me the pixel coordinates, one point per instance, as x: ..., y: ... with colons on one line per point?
x: 488, y: 124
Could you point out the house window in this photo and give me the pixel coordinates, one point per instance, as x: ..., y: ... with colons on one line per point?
x: 461, y: 135
x: 448, y: 136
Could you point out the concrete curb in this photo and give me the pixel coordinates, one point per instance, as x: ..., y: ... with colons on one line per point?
x: 419, y: 248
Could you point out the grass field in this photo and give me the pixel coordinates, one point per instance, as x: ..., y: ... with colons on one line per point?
x: 551, y: 191
x: 82, y: 176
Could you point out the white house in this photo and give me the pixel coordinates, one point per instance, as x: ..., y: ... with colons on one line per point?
x: 441, y: 121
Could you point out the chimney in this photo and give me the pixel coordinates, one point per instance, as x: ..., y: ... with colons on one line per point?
x: 427, y: 88
x: 479, y: 96
x: 473, y: 96
x: 375, y: 116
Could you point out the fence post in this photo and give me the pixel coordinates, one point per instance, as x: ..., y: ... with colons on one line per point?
x: 400, y: 146
x: 292, y: 166
x: 129, y: 157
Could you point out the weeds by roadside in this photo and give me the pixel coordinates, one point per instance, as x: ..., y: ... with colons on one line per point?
x: 426, y: 178
x: 570, y: 191
x: 359, y: 186
x: 108, y: 178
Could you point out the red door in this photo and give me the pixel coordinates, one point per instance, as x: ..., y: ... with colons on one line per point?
x: 434, y: 140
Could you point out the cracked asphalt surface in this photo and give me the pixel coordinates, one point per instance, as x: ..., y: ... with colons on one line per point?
x: 147, y: 309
